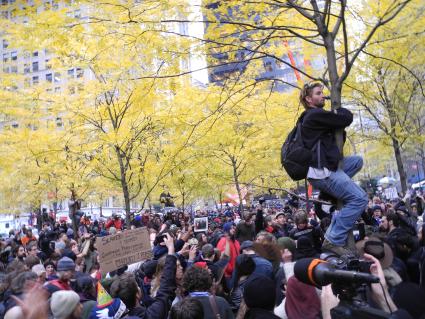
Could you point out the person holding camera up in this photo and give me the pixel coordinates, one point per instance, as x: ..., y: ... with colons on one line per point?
x: 318, y: 132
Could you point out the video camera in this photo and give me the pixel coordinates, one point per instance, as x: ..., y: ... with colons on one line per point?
x: 349, y: 277
x: 347, y: 262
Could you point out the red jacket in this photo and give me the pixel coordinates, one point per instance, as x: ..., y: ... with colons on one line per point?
x: 234, y: 252
x: 114, y: 222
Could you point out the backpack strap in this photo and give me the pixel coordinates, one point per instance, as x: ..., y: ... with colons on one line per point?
x: 214, y: 306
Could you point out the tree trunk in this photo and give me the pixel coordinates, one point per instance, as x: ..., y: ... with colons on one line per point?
x: 183, y: 200
x: 73, y: 212
x: 400, y: 166
x: 238, y: 188
x: 124, y: 187
x: 335, y: 85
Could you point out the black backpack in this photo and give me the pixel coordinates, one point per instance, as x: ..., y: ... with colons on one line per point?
x: 295, y: 157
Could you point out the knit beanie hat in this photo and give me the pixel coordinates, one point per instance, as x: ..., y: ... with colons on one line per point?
x: 65, y: 263
x: 63, y: 303
x: 60, y: 245
x: 227, y: 226
x: 38, y: 269
x: 14, y: 313
x: 260, y: 292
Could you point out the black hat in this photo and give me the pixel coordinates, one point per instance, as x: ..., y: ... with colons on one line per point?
x: 149, y: 267
x: 246, y: 244
x: 260, y: 292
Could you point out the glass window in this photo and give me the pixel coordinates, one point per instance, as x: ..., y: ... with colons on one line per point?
x: 27, y: 68
x: 57, y: 77
x: 70, y: 73
x: 5, y: 57
x: 35, y: 53
x: 5, y: 44
x: 5, y: 69
x: 49, y: 77
x: 35, y: 80
x: 35, y: 66
x: 14, y: 69
x: 80, y: 72
x: 14, y: 55
x: 47, y: 64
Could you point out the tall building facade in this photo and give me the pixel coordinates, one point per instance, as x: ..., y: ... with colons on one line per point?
x: 281, y: 72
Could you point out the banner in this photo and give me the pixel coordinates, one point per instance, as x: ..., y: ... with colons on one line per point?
x: 128, y: 247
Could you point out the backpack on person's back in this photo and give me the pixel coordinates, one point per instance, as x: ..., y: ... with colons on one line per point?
x: 295, y: 157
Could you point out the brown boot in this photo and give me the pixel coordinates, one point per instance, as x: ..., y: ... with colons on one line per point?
x: 338, y: 250
x: 351, y: 244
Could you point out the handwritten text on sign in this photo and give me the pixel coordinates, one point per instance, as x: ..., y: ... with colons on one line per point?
x: 128, y: 247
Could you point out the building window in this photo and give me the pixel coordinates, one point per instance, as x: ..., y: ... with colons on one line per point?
x: 35, y: 53
x: 7, y: 225
x: 268, y: 66
x: 47, y: 64
x: 15, y: 125
x: 70, y: 73
x: 5, y: 14
x: 57, y: 89
x: 80, y: 73
x: 57, y: 77
x: 35, y: 80
x: 14, y: 69
x: 35, y: 66
x: 49, y: 77
x: 5, y: 44
x: 5, y: 69
x: 5, y: 57
x: 13, y: 55
x: 4, y: 2
x: 27, y: 68
x: 59, y: 122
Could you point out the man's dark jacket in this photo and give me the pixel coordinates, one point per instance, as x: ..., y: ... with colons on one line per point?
x: 318, y: 132
x: 165, y: 295
x: 245, y: 231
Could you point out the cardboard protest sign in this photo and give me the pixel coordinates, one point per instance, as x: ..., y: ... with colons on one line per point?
x: 122, y: 249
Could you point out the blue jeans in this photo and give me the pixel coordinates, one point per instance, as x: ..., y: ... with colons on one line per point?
x: 353, y: 197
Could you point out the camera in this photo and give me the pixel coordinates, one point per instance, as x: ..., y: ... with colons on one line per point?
x: 349, y: 278
x: 347, y: 262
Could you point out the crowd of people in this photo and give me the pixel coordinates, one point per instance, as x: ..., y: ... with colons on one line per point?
x: 241, y: 267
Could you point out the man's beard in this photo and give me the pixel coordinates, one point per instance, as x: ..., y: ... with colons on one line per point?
x: 320, y: 105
